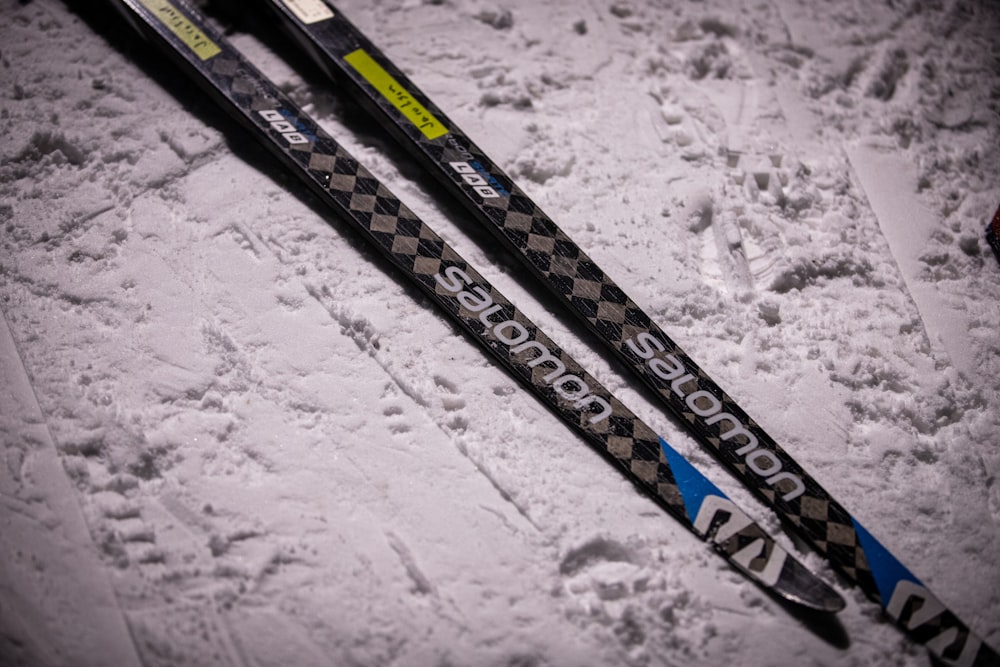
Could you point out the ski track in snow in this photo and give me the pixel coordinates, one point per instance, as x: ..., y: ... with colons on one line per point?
x: 284, y: 455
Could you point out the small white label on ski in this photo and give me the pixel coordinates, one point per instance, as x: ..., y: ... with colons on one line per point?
x: 280, y: 124
x: 472, y: 177
x: 309, y: 11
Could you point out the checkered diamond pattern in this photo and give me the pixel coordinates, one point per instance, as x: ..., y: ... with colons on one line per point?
x: 572, y: 275
x: 422, y: 255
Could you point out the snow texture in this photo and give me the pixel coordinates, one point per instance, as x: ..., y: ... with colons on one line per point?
x: 231, y: 435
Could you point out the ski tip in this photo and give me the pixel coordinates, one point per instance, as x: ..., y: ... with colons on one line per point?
x: 787, y: 579
x: 752, y: 551
x: 799, y: 585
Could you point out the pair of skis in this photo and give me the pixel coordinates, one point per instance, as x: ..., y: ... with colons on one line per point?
x: 483, y: 312
x: 495, y: 201
x: 526, y: 352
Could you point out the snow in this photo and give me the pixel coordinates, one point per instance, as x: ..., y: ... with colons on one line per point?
x: 274, y: 451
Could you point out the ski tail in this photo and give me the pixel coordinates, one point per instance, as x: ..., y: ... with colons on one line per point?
x: 356, y: 195
x: 715, y: 419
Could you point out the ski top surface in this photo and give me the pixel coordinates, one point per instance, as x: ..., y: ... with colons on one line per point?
x: 715, y: 419
x: 485, y: 314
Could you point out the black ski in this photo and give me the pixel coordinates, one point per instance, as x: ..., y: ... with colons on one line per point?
x: 527, y: 353
x: 715, y: 419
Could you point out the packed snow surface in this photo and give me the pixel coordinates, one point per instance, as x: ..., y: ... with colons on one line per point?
x: 232, y: 435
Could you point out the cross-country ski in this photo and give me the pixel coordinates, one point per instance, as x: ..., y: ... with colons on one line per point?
x: 276, y: 449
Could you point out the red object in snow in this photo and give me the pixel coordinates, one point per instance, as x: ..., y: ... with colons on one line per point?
x: 993, y: 234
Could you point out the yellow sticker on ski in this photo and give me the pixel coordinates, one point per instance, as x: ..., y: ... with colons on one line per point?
x: 391, y: 90
x: 179, y: 24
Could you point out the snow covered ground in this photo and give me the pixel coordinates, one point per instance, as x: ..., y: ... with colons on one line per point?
x: 233, y: 436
